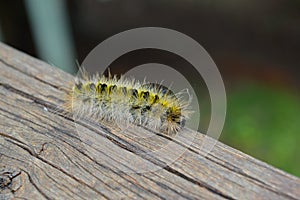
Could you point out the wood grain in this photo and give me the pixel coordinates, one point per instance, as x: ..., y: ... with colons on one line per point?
x: 47, y: 155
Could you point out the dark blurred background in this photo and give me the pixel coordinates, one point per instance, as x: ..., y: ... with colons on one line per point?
x: 255, y: 44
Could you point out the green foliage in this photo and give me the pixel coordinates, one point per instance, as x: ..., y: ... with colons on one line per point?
x: 264, y: 122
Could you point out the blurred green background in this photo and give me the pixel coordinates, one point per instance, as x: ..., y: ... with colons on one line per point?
x: 255, y: 44
x: 263, y: 121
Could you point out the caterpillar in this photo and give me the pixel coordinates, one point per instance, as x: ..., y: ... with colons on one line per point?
x: 125, y: 101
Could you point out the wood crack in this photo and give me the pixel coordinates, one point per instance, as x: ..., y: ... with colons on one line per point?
x: 30, y: 75
x: 36, y: 187
x: 56, y: 167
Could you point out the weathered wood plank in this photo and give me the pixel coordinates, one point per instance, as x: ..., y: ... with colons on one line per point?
x: 45, y: 155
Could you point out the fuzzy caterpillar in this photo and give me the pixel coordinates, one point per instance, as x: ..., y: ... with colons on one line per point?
x: 127, y: 101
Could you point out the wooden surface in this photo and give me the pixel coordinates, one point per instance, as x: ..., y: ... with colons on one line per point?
x: 45, y: 155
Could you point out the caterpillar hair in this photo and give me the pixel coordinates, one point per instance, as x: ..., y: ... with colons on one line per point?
x: 124, y: 101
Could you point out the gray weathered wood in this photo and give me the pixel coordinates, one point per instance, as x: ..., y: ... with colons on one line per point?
x: 46, y: 155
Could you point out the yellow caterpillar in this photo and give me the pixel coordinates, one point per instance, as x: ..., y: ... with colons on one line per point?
x: 127, y: 101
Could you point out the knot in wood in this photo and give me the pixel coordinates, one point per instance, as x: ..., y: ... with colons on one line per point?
x: 5, y: 181
x: 6, y: 178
